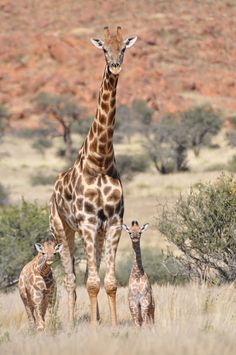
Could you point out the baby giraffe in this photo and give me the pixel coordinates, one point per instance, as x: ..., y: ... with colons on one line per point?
x: 141, y: 302
x: 37, y: 285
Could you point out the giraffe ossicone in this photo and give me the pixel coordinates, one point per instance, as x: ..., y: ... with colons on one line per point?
x: 88, y: 198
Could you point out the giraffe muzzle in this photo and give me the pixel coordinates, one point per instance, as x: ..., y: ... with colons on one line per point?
x: 115, y: 68
x: 49, y: 262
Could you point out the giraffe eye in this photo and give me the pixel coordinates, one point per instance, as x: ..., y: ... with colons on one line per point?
x: 43, y: 253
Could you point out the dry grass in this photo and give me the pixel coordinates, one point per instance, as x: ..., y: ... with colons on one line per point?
x: 191, y: 320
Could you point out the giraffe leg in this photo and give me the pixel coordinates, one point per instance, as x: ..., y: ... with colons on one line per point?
x: 38, y: 310
x: 29, y: 311
x: 147, y: 311
x: 99, y: 246
x: 135, y: 313
x: 68, y: 263
x: 112, y: 239
x: 92, y: 278
x: 64, y: 234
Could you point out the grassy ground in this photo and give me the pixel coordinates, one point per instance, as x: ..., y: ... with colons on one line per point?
x: 191, y: 320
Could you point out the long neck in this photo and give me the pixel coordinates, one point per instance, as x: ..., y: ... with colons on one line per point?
x: 98, y: 146
x: 41, y: 266
x: 137, y: 268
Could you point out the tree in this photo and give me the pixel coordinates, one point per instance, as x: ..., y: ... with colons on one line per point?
x: 142, y: 113
x: 200, y: 123
x: 64, y: 110
x: 4, y: 117
x: 20, y: 227
x: 231, y: 135
x: 203, y: 226
x: 166, y: 144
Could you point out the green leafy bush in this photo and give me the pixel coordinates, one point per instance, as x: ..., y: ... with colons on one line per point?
x: 41, y: 144
x: 159, y: 268
x: 128, y: 165
x: 40, y: 179
x: 200, y: 124
x: 203, y: 226
x: 20, y: 227
x: 232, y: 164
x: 166, y: 144
x: 4, y: 196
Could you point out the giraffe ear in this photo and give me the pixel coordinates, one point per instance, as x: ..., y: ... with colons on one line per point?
x: 58, y: 248
x: 38, y: 247
x: 144, y: 227
x: 97, y: 42
x: 126, y: 228
x: 129, y: 42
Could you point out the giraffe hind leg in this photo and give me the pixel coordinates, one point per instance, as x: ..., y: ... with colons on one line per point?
x: 64, y: 234
x: 135, y: 311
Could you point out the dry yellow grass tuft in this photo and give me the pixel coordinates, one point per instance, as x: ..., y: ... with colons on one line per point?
x: 192, y: 320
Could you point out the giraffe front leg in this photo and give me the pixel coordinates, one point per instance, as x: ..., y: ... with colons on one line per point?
x: 92, y: 278
x: 29, y: 311
x: 38, y: 311
x: 112, y: 240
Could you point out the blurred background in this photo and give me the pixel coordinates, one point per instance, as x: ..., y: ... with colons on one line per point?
x: 176, y: 109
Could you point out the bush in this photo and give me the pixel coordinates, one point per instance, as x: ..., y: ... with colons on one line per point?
x: 159, y: 268
x: 42, y: 144
x: 142, y: 113
x: 4, y: 195
x: 128, y: 165
x: 4, y: 117
x: 41, y: 179
x: 82, y: 126
x: 203, y: 226
x: 200, y: 124
x: 20, y: 227
x: 231, y: 136
x: 166, y: 144
x: 232, y: 164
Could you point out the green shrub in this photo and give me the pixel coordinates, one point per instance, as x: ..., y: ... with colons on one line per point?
x: 42, y: 144
x: 166, y: 144
x: 232, y: 164
x: 4, y: 195
x: 200, y: 124
x: 82, y: 126
x: 20, y: 227
x: 40, y: 179
x: 203, y: 226
x: 4, y: 119
x: 128, y: 165
x: 159, y: 268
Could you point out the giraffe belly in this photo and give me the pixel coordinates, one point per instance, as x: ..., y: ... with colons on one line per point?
x: 95, y: 203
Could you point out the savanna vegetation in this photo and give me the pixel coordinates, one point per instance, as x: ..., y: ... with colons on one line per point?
x: 188, y: 253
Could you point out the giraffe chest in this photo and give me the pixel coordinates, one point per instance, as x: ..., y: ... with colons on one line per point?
x: 138, y: 286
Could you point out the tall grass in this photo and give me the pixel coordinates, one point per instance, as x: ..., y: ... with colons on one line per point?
x: 192, y: 320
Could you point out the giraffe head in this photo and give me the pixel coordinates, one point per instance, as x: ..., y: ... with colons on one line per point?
x: 48, y: 250
x: 135, y: 232
x: 114, y: 48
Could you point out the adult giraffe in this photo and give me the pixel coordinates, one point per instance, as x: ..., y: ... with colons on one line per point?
x: 88, y: 198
